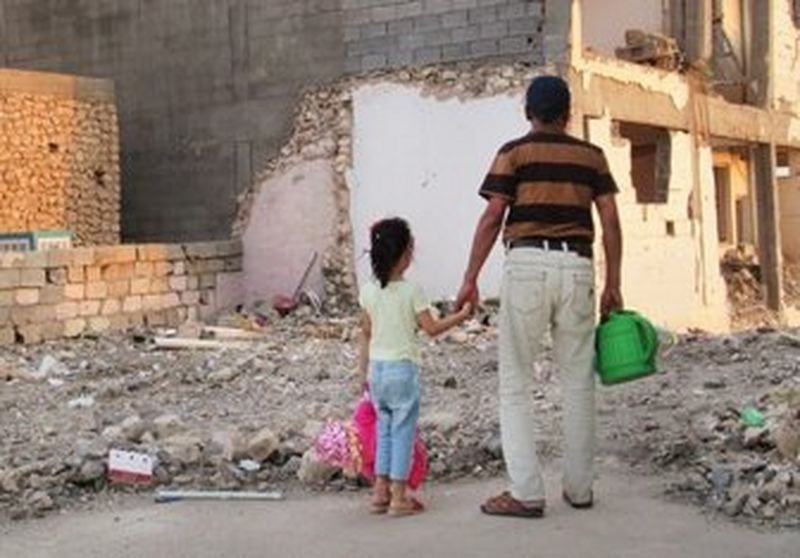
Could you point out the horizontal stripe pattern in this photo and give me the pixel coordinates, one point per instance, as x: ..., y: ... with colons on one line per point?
x: 551, y: 181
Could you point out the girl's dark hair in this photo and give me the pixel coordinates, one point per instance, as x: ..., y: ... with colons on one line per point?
x: 390, y: 238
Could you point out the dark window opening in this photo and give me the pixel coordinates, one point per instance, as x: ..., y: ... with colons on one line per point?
x: 651, y: 159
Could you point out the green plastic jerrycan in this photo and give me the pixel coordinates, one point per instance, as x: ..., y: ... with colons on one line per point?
x: 627, y: 345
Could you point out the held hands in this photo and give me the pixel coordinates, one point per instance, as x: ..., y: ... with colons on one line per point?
x: 468, y: 296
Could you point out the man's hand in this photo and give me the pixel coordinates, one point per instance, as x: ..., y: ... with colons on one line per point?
x: 468, y: 295
x: 610, y: 301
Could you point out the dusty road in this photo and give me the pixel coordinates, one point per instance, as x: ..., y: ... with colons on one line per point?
x: 629, y: 521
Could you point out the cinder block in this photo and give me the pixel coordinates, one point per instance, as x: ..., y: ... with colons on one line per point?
x: 117, y: 272
x: 486, y: 47
x: 7, y: 336
x: 179, y: 283
x: 77, y: 274
x: 144, y: 269
x: 93, y: 273
x: 454, y: 19
x: 51, y: 294
x: 76, y: 291
x: 99, y: 324
x: 67, y: 310
x: 201, y: 250
x: 26, y: 297
x: 132, y: 304
x: 10, y: 278
x: 119, y: 289
x: 11, y: 260
x: 34, y: 277
x: 159, y: 285
x: 483, y: 14
x: 34, y: 260
x: 111, y: 307
x: 190, y: 298
x: 106, y: 255
x: 75, y: 327
x: 89, y: 308
x: 95, y: 291
x: 140, y: 286
x: 29, y: 334
x: 428, y: 55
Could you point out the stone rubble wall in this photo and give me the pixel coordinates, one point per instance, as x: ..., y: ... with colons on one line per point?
x: 59, y: 156
x: 323, y: 130
x: 68, y: 293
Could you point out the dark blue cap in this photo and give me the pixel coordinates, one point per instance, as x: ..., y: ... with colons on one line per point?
x: 548, y: 98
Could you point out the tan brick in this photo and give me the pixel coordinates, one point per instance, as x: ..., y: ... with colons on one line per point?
x: 67, y: 310
x: 111, y: 306
x: 135, y: 319
x: 11, y: 260
x: 233, y: 264
x: 96, y: 291
x: 59, y: 258
x: 26, y: 297
x: 6, y: 298
x: 140, y: 286
x: 7, y: 336
x: 208, y: 281
x: 151, y: 302
x: 51, y: 330
x: 144, y: 269
x: 194, y: 283
x: 179, y: 268
x: 89, y: 308
x: 117, y: 272
x: 34, y: 260
x: 10, y: 278
x: 99, y: 324
x: 29, y: 334
x: 208, y: 297
x: 160, y: 285
x: 170, y: 300
x: 118, y: 289
x: 201, y: 250
x: 230, y: 248
x: 81, y: 257
x: 106, y: 255
x: 157, y: 318
x: 162, y: 269
x: 32, y: 278
x: 190, y: 298
x: 119, y: 322
x: 132, y: 304
x: 152, y: 252
x: 57, y: 276
x: 5, y: 315
x: 94, y: 273
x: 175, y: 252
x: 74, y: 291
x: 76, y: 274
x: 73, y: 328
x: 179, y: 283
x: 51, y: 294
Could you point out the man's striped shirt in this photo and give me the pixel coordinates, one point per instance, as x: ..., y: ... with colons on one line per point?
x: 551, y: 180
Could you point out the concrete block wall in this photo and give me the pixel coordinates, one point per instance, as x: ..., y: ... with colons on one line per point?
x: 206, y: 88
x: 59, y: 156
x: 67, y: 293
x: 389, y: 34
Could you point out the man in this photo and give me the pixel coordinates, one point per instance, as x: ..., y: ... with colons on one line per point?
x: 540, y: 191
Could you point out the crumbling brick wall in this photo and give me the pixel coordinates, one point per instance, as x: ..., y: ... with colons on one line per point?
x: 59, y: 156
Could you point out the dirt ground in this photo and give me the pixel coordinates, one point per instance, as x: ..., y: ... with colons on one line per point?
x: 244, y: 417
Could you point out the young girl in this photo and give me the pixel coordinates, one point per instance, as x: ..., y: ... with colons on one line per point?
x: 393, y: 309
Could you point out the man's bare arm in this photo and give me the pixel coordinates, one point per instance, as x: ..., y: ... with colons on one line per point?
x: 612, y: 242
x: 486, y: 234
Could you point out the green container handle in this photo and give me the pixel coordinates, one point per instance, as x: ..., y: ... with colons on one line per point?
x: 649, y: 335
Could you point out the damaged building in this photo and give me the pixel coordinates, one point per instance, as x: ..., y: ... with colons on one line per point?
x: 291, y: 126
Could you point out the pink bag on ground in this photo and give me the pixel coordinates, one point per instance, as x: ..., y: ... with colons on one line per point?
x: 365, y: 423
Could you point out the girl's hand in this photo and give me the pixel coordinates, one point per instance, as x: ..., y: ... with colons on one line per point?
x: 465, y: 312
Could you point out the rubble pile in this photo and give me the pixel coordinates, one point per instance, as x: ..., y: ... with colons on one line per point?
x: 243, y: 415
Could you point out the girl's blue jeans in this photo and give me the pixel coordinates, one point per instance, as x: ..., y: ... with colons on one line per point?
x: 394, y: 387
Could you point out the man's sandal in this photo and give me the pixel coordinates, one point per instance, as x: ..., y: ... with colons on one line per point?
x: 378, y: 508
x: 411, y: 506
x: 589, y: 504
x: 505, y: 505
